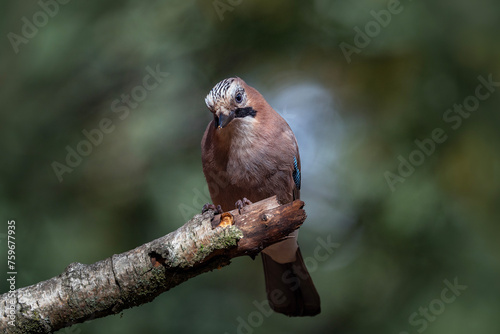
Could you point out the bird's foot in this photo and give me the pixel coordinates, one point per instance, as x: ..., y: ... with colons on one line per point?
x: 241, y: 203
x: 216, y: 209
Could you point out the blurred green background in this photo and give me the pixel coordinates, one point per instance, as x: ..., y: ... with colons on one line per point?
x: 359, y: 82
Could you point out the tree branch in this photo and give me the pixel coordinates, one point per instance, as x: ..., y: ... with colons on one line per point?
x: 83, y: 292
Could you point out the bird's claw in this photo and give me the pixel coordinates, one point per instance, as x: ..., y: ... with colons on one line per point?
x: 216, y: 209
x: 241, y: 203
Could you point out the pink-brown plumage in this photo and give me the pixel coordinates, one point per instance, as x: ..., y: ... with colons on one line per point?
x: 249, y: 151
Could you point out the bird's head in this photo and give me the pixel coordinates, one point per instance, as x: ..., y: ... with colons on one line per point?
x: 230, y: 101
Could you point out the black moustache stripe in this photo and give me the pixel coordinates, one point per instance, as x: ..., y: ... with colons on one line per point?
x: 244, y: 112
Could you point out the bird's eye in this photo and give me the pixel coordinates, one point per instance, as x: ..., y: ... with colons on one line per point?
x: 238, y: 98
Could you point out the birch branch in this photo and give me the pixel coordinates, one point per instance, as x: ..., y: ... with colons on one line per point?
x: 84, y: 292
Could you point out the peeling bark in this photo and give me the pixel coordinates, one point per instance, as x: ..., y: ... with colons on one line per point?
x: 83, y: 292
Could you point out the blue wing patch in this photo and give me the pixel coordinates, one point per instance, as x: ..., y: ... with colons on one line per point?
x: 296, y: 173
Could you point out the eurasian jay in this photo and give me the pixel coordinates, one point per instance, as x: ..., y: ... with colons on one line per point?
x: 249, y: 153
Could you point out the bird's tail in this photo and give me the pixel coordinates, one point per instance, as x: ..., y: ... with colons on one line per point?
x: 289, y: 287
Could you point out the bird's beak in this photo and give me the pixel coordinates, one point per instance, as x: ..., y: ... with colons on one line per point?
x: 223, y: 120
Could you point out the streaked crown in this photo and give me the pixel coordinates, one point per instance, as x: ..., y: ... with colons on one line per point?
x: 221, y: 91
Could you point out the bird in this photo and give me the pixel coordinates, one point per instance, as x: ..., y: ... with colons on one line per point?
x: 250, y: 153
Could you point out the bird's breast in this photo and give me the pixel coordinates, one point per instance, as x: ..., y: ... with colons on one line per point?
x: 244, y: 165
